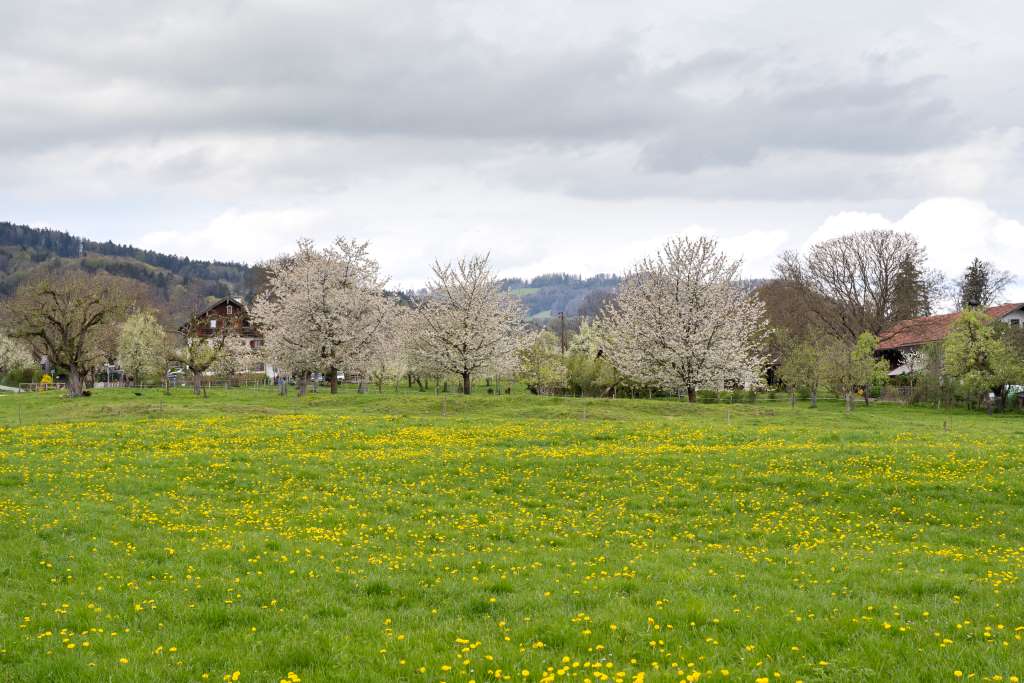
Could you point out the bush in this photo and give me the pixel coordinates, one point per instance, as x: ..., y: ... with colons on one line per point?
x: 707, y: 396
x: 22, y: 376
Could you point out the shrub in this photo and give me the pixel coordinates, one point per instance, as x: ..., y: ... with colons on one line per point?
x: 707, y: 396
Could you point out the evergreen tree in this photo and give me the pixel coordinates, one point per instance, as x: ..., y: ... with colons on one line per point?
x: 981, y: 285
x: 910, y: 292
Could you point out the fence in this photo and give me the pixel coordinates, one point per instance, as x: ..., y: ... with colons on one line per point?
x: 41, y: 386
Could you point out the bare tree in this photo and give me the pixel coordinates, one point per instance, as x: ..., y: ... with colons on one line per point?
x: 852, y: 284
x: 682, y: 321
x: 464, y: 323
x: 68, y: 318
x: 323, y: 309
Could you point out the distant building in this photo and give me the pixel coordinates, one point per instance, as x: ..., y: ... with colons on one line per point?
x: 908, y: 335
x: 228, y: 316
x: 228, y: 313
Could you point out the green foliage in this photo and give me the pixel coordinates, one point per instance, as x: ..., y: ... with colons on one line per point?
x: 805, y: 367
x: 542, y: 365
x: 588, y: 373
x: 910, y: 292
x: 707, y: 396
x: 977, y: 358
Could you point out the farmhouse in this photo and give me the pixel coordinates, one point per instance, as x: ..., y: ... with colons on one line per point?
x: 908, y: 335
x: 227, y: 316
x: 230, y: 314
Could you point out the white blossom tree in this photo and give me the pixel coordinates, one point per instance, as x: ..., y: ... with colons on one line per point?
x: 324, y: 309
x: 142, y: 348
x: 465, y: 324
x: 235, y: 357
x: 388, y: 361
x: 14, y: 356
x: 682, y: 321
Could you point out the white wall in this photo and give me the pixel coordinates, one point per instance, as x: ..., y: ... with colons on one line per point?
x: 1016, y: 315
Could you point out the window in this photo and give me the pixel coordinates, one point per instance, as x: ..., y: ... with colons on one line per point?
x: 1014, y: 323
x: 213, y: 324
x: 231, y: 309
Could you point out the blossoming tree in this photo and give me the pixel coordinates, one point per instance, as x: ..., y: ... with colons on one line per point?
x: 465, y: 324
x: 682, y: 321
x: 324, y: 309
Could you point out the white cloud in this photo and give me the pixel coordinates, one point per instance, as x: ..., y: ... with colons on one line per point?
x: 235, y: 235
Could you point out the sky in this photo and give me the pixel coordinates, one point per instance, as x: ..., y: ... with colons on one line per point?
x: 569, y: 136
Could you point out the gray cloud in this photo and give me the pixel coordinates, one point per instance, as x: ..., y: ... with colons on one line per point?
x: 203, y: 108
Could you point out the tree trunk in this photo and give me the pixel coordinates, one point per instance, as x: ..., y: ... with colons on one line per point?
x: 303, y: 379
x: 74, y: 382
x: 792, y: 399
x: 691, y: 394
x: 814, y: 398
x: 197, y: 383
x: 866, y: 397
x: 466, y: 385
x: 849, y: 401
x: 334, y: 379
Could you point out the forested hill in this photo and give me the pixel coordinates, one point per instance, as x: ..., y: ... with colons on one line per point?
x: 549, y: 295
x: 175, y: 283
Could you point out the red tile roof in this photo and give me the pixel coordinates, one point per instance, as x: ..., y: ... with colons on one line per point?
x: 918, y: 331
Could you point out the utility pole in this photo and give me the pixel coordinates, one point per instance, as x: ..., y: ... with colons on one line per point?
x: 561, y: 330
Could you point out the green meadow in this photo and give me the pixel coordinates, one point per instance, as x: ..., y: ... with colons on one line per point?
x: 255, y: 537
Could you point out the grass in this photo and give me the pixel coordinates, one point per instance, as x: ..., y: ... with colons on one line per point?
x: 370, y: 538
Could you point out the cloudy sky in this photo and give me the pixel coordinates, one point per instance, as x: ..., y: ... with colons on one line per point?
x: 559, y: 136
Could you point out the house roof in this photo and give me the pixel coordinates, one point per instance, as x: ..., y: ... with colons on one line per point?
x: 918, y: 331
x: 224, y: 300
x: 200, y: 314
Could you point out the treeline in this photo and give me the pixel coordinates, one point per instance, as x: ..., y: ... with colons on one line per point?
x: 65, y: 245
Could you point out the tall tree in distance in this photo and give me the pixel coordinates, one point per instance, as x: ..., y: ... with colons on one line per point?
x: 323, y: 309
x: 67, y: 318
x: 912, y: 291
x: 681, y: 320
x: 465, y: 324
x: 849, y: 284
x: 981, y: 285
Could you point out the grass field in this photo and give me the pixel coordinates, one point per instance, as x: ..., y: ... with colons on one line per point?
x: 255, y: 537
